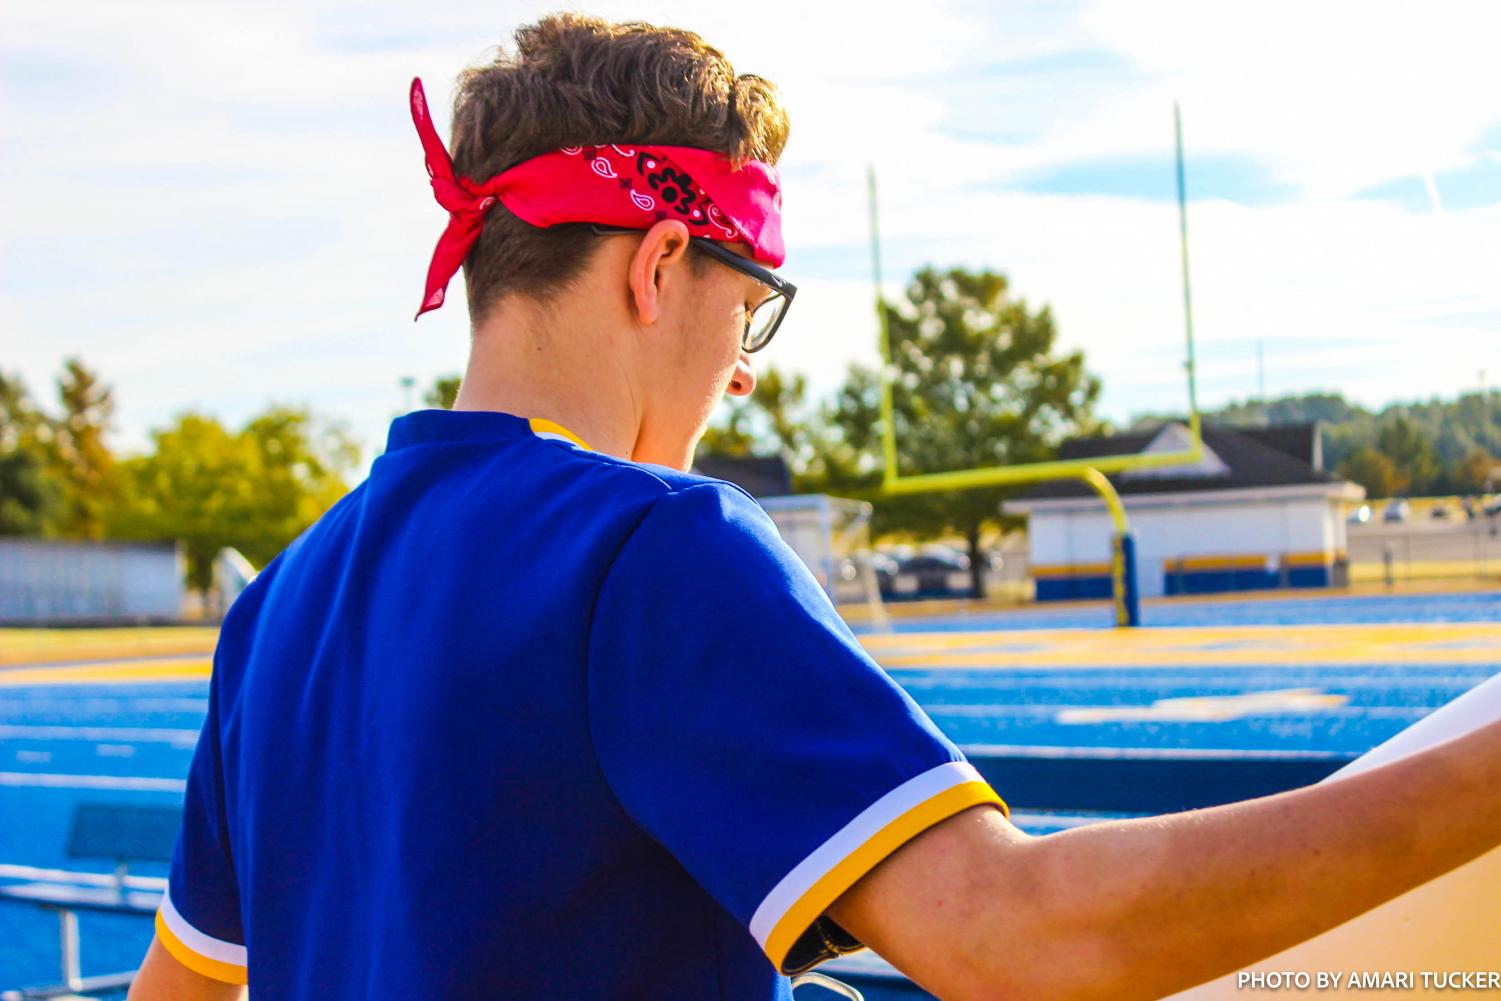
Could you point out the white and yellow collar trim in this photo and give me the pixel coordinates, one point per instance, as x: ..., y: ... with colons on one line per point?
x: 544, y: 428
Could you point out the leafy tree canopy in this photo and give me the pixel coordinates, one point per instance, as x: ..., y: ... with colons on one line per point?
x: 978, y: 381
x: 1433, y: 447
x: 254, y: 489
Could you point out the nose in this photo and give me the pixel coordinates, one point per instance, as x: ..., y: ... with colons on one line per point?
x: 743, y: 381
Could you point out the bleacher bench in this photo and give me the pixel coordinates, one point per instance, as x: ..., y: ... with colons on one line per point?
x: 123, y: 834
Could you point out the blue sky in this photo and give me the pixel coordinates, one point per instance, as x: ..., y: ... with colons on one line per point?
x: 222, y: 205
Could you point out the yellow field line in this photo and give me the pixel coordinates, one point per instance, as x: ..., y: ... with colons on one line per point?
x: 1423, y: 643
x: 1085, y: 659
x: 1183, y: 646
x: 1013, y: 596
x: 1425, y: 632
x: 1427, y: 570
x: 27, y: 646
x: 108, y: 672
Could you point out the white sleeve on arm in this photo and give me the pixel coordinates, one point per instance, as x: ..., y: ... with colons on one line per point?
x: 199, y: 918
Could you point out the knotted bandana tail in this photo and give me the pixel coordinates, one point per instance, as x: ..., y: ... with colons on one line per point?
x: 465, y: 201
x: 613, y: 185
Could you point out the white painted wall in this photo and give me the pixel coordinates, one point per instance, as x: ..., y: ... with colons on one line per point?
x: 1227, y: 523
x: 51, y: 580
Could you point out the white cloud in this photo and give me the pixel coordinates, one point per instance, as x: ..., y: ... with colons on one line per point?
x: 219, y: 205
x: 1336, y: 96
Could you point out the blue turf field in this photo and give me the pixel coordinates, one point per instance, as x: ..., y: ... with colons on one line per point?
x: 1484, y: 606
x: 65, y: 743
x: 1024, y: 707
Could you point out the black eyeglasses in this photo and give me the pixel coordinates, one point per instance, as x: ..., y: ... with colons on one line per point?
x: 762, y: 319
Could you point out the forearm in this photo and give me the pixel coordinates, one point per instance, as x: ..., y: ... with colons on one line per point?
x: 1142, y: 908
x: 162, y: 978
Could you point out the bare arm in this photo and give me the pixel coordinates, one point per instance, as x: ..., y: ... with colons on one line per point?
x: 1138, y: 909
x: 163, y: 978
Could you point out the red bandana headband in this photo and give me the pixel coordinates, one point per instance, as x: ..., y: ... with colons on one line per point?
x: 630, y: 186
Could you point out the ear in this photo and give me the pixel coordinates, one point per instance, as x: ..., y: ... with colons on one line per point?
x: 663, y: 249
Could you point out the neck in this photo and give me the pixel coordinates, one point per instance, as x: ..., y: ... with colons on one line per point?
x: 552, y: 365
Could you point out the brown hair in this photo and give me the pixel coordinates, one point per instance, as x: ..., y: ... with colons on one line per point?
x: 580, y: 81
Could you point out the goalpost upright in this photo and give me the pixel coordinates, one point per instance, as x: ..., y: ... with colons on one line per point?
x: 1092, y: 471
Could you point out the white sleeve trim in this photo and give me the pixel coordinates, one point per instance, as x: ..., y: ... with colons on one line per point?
x: 205, y: 945
x: 556, y: 437
x: 914, y: 792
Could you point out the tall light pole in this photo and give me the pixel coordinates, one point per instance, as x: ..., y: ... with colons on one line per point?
x: 1485, y: 418
x: 1261, y: 378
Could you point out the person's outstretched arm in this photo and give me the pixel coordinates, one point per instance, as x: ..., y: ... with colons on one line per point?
x: 163, y: 978
x: 1133, y: 910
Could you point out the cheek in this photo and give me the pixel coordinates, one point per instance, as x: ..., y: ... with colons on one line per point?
x: 724, y: 321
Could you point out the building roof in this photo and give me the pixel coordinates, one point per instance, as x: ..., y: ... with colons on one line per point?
x: 757, y: 475
x: 1238, y: 458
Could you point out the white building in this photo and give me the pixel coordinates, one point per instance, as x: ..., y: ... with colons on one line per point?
x: 1258, y: 511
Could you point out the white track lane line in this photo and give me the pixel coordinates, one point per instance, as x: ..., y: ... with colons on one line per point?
x: 109, y: 734
x: 138, y: 783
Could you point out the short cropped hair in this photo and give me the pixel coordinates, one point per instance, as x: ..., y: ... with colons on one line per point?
x: 575, y: 80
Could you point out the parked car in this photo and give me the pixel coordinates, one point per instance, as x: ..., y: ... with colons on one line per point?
x: 1397, y: 510
x: 1359, y: 516
x: 886, y: 568
x: 1439, y: 512
x: 850, y: 584
x: 934, y: 572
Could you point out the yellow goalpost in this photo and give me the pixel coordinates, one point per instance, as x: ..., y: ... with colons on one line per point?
x: 1092, y: 471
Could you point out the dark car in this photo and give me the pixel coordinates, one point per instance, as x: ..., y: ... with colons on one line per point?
x: 933, y: 573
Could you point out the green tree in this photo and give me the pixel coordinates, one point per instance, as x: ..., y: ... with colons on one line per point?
x: 978, y: 381
x: 777, y: 419
x: 1374, y: 471
x: 80, y: 456
x: 1412, y: 452
x: 733, y: 434
x: 1456, y: 429
x: 1476, y: 474
x: 196, y: 486
x: 300, y: 467
x: 27, y: 495
x: 30, y: 493
x: 442, y: 393
x: 255, y: 489
x: 19, y: 419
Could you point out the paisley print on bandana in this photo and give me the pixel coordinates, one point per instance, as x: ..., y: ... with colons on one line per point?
x: 613, y: 185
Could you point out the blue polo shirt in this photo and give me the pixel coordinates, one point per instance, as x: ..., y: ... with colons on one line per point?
x: 519, y: 719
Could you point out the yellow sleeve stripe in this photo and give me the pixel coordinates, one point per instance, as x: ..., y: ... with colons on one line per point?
x: 817, y: 898
x: 215, y: 969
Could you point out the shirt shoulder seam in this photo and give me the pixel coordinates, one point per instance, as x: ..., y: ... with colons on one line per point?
x: 671, y: 490
x: 616, y: 462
